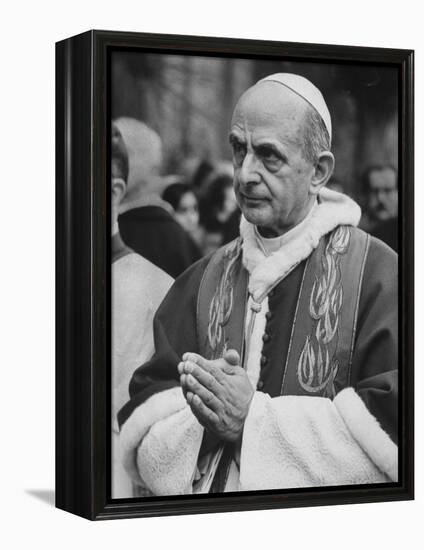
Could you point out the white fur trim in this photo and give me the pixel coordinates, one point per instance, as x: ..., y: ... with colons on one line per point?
x: 301, y: 441
x: 367, y: 431
x: 156, y: 408
x: 167, y: 456
x: 333, y: 210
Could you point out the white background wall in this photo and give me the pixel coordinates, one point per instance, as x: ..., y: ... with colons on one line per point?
x: 28, y: 33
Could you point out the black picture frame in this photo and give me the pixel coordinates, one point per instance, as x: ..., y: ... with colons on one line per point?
x: 82, y: 275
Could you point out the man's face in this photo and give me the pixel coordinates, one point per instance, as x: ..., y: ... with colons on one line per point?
x: 383, y: 195
x: 272, y: 179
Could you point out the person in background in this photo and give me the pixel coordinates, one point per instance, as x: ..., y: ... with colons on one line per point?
x: 138, y: 287
x: 219, y: 213
x: 381, y: 192
x: 146, y: 221
x: 186, y: 209
x: 200, y: 174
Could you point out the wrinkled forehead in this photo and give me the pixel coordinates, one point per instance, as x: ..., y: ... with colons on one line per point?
x: 269, y: 107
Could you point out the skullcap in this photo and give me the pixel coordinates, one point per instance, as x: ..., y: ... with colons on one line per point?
x: 303, y: 87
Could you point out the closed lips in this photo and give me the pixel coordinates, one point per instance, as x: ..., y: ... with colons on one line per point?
x: 251, y: 198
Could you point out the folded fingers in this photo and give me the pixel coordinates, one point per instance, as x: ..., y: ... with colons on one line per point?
x: 204, y: 377
x: 204, y: 414
x: 190, y: 383
x: 196, y: 358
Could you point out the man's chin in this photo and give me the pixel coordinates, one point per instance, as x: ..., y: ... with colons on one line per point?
x: 254, y: 216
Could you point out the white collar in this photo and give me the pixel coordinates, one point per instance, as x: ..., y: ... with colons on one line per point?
x: 332, y: 210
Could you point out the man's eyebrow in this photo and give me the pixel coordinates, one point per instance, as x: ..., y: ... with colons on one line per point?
x: 235, y: 138
x: 276, y: 147
x: 266, y: 145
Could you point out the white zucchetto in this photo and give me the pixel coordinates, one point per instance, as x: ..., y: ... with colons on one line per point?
x: 304, y: 88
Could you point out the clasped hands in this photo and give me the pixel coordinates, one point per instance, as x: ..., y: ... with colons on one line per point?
x: 218, y: 392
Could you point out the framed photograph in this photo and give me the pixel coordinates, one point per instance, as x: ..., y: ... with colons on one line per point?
x: 234, y: 274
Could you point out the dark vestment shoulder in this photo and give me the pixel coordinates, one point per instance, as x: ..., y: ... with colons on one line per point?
x: 387, y: 232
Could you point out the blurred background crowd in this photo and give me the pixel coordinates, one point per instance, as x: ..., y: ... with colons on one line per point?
x: 174, y: 114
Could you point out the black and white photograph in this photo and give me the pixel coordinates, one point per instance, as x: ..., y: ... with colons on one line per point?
x: 255, y: 233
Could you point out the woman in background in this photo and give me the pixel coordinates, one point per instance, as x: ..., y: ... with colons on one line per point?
x: 219, y: 213
x: 186, y: 211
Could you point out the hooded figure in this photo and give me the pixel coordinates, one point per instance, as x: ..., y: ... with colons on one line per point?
x: 145, y: 221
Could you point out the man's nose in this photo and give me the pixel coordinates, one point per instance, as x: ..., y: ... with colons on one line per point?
x: 382, y: 196
x: 249, y: 171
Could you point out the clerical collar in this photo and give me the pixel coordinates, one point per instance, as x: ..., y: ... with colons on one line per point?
x: 115, y: 228
x: 271, y: 245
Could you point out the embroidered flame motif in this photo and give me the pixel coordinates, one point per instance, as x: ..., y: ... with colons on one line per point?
x: 222, y: 301
x: 317, y: 366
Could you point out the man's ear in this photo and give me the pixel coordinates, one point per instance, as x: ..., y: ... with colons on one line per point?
x: 118, y: 191
x: 324, y: 167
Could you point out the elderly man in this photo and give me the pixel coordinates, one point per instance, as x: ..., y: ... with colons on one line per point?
x: 276, y: 358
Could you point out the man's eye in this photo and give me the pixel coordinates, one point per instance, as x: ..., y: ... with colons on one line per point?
x: 271, y: 159
x: 269, y: 154
x: 239, y: 152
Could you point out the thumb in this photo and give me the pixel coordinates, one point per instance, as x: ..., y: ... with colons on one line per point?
x: 232, y: 357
